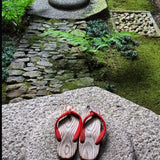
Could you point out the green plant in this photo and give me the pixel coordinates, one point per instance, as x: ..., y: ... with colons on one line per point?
x: 97, y: 28
x: 110, y: 87
x: 8, y: 48
x: 95, y: 41
x: 125, y: 45
x: 13, y: 12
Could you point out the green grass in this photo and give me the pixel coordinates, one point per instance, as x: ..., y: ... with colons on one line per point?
x: 144, y: 5
x: 139, y: 80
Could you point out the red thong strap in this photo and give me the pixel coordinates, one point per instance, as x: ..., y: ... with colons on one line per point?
x: 76, y: 135
x: 101, y: 135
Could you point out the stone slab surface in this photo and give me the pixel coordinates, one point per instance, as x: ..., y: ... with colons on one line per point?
x: 44, y: 9
x: 28, y: 126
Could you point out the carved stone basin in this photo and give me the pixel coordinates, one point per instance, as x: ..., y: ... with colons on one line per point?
x: 68, y: 4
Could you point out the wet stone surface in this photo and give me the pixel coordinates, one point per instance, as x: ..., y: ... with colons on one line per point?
x: 47, y: 65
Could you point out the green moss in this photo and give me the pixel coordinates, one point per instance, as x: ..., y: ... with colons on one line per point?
x: 78, y: 83
x: 28, y: 84
x: 144, y: 5
x: 4, y: 93
x: 35, y: 38
x: 70, y: 85
x: 139, y: 80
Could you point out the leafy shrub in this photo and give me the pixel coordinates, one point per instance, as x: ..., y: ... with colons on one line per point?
x: 97, y: 28
x: 106, y: 38
x: 99, y: 41
x: 13, y: 12
x: 8, y: 48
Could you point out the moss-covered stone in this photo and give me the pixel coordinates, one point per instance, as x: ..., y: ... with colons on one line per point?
x: 78, y: 83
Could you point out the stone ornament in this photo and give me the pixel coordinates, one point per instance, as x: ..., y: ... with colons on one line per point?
x: 69, y: 4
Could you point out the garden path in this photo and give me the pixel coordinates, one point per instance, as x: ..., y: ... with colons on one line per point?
x: 46, y: 65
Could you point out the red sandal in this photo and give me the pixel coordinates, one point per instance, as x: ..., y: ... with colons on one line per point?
x: 67, y: 131
x: 91, y: 134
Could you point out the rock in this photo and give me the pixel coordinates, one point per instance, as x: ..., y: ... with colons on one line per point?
x: 132, y: 16
x: 34, y: 59
x: 50, y: 46
x: 41, y: 87
x: 79, y: 82
x: 32, y: 74
x: 15, y: 100
x: 60, y: 72
x: 39, y: 83
x: 30, y: 68
x: 18, y: 92
x: 22, y: 60
x: 14, y: 86
x: 57, y: 57
x: 17, y: 65
x: 15, y: 72
x: 32, y: 90
x: 31, y: 52
x: 40, y: 78
x: 134, y: 27
x: 41, y: 93
x: 54, y: 90
x: 85, y: 82
x: 44, y: 54
x: 150, y: 23
x: 49, y: 76
x: 54, y: 81
x: 30, y: 65
x: 68, y: 4
x: 117, y: 23
x: 28, y: 126
x: 78, y: 55
x: 19, y: 55
x: 82, y: 26
x: 46, y: 25
x: 29, y: 96
x: 63, y: 47
x: 15, y: 79
x: 24, y: 45
x: 62, y: 64
x: 50, y: 70
x: 78, y: 32
x: 93, y: 8
x: 78, y: 65
x: 45, y: 63
x: 76, y: 49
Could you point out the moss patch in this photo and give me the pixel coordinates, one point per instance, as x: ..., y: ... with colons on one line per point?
x: 139, y: 80
x: 34, y: 39
x: 78, y: 83
x: 144, y: 5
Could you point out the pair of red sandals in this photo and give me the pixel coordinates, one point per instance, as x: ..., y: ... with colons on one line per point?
x: 70, y: 128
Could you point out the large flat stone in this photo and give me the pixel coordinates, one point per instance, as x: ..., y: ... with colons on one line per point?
x: 44, y: 9
x: 28, y: 126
